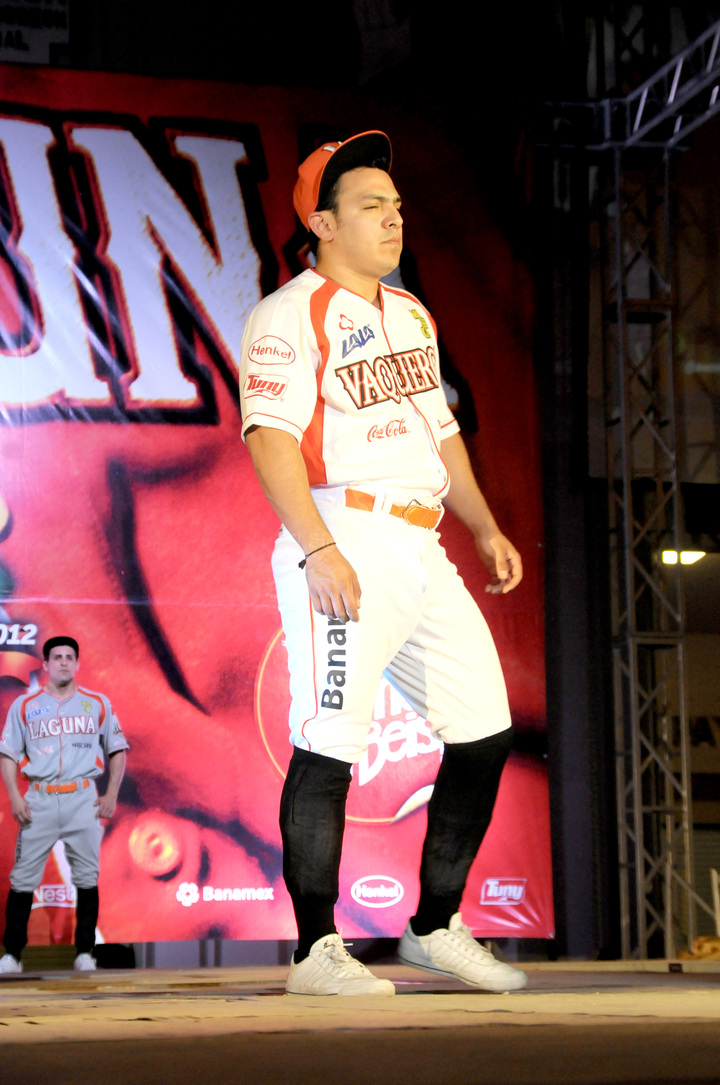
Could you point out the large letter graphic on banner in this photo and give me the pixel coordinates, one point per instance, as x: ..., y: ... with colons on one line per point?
x: 58, y: 361
x: 148, y: 224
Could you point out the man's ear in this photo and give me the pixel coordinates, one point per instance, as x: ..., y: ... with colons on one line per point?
x: 322, y: 224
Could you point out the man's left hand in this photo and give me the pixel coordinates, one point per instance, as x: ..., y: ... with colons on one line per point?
x: 106, y: 806
x: 502, y: 561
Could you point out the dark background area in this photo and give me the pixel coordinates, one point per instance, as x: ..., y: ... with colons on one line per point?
x: 479, y: 73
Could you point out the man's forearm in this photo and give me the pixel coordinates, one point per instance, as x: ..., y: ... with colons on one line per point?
x: 465, y: 498
x: 115, y: 773
x: 280, y: 467
x: 278, y: 462
x: 8, y: 771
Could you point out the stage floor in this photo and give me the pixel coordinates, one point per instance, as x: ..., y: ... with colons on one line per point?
x: 595, y: 1024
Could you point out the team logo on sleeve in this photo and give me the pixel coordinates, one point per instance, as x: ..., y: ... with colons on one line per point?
x: 424, y: 327
x: 271, y: 387
x: 269, y: 350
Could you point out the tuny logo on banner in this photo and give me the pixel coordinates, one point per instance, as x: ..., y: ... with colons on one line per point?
x: 503, y: 890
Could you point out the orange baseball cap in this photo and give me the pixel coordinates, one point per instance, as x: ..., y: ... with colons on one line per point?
x: 320, y: 170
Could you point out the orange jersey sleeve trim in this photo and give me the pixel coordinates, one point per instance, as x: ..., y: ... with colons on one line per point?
x: 414, y: 300
x: 311, y: 445
x: 23, y: 706
x: 87, y: 693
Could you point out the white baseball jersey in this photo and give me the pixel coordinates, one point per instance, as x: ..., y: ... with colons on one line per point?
x: 358, y: 386
x: 57, y: 741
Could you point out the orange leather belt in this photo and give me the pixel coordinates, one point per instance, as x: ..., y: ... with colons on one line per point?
x: 61, y: 789
x: 414, y: 513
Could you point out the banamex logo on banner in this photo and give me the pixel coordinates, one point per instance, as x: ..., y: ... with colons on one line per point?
x: 377, y: 891
x: 188, y: 893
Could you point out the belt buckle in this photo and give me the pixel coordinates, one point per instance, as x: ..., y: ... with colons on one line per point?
x: 418, y: 515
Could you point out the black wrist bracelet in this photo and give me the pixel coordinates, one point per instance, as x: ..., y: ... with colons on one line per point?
x: 301, y: 564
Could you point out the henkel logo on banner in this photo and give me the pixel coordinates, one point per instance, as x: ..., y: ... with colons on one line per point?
x: 503, y: 890
x: 377, y: 891
x: 397, y: 772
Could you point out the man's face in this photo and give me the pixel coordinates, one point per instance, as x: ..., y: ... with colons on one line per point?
x: 61, y: 665
x: 368, y: 225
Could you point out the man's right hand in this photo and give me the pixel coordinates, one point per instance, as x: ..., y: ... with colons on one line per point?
x: 333, y: 584
x: 20, y: 810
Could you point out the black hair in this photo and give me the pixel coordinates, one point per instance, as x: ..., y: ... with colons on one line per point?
x: 329, y: 201
x: 57, y: 642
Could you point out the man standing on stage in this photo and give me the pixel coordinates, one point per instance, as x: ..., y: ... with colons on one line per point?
x: 356, y: 449
x: 59, y: 736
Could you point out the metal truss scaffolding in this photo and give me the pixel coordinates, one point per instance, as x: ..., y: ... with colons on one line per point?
x: 651, y: 744
x: 638, y: 138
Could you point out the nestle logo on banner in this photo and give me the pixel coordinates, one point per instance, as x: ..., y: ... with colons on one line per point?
x: 265, y: 386
x: 377, y: 891
x: 392, y: 429
x: 188, y: 893
x: 271, y: 349
x: 59, y: 896
x: 503, y: 890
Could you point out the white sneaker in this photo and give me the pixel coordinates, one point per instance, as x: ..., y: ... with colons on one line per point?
x: 454, y: 952
x: 84, y: 962
x: 8, y: 963
x: 330, y: 970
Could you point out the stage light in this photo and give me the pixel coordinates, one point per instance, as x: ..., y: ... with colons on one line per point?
x: 687, y: 557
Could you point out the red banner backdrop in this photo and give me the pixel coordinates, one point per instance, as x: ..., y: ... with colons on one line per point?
x: 140, y: 222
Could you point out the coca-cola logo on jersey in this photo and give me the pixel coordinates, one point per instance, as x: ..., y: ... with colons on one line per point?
x: 394, y: 428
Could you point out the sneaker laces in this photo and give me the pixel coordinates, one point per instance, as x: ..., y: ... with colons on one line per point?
x: 341, y: 962
x: 465, y: 940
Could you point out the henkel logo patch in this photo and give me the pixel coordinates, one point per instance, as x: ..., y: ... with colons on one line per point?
x: 377, y: 891
x: 271, y: 387
x: 396, y: 774
x: 59, y: 896
x: 270, y: 349
x: 503, y: 890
